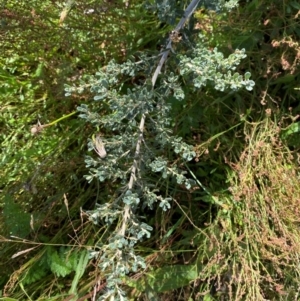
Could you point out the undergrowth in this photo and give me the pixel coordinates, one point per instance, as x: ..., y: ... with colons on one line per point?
x: 218, y: 178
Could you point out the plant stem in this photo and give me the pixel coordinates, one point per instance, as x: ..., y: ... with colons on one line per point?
x: 60, y: 119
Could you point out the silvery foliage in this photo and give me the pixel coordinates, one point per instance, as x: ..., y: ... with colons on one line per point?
x: 140, y: 145
x: 209, y: 66
x: 168, y: 10
x: 219, y: 5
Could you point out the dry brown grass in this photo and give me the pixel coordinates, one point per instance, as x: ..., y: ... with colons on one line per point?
x: 253, y: 249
